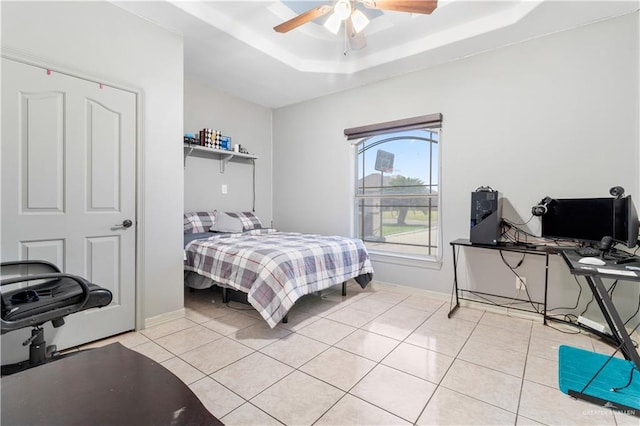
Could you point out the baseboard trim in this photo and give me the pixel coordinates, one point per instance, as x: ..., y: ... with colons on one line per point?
x: 162, y: 318
x: 503, y: 310
x: 397, y: 288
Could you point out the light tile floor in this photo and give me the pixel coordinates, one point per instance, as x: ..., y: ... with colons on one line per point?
x: 378, y: 356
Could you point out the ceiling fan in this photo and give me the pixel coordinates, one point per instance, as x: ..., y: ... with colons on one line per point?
x: 355, y: 21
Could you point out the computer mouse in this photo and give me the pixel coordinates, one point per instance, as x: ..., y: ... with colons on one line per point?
x: 592, y: 261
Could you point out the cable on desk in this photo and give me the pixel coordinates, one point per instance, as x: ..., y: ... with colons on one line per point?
x: 507, y: 225
x: 518, y: 224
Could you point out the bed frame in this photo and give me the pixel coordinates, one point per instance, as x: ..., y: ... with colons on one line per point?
x: 285, y: 319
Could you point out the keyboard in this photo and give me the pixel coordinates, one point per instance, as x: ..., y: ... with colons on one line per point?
x: 588, y: 251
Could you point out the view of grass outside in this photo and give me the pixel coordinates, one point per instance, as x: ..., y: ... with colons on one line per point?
x: 416, y: 220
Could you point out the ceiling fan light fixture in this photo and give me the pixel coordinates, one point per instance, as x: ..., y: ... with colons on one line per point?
x: 333, y: 23
x: 359, y: 20
x: 342, y: 9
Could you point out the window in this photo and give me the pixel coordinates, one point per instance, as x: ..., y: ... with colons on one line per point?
x: 397, y: 189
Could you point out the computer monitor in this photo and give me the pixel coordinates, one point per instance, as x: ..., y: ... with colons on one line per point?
x: 580, y: 219
x: 626, y: 226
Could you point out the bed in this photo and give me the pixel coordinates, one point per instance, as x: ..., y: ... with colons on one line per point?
x: 273, y: 268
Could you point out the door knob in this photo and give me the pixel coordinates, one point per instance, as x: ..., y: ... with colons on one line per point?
x: 125, y: 224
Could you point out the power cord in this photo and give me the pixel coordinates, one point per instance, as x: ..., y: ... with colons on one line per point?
x: 513, y: 270
x: 633, y: 367
x: 577, y: 299
x: 509, y: 225
x: 578, y: 331
x: 616, y: 389
x: 518, y: 224
x: 587, y: 306
x: 513, y: 267
x: 633, y: 314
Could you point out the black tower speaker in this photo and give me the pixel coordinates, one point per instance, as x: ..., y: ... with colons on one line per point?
x: 486, y: 217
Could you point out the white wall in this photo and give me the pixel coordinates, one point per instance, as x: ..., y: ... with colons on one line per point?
x: 248, y: 125
x: 101, y: 40
x: 556, y: 116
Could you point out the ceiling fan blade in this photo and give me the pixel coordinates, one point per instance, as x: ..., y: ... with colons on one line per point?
x: 356, y: 39
x: 412, y: 6
x: 303, y: 18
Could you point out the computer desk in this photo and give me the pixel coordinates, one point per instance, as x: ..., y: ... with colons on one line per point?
x: 570, y: 256
x: 545, y: 251
x: 593, y: 276
x: 583, y: 373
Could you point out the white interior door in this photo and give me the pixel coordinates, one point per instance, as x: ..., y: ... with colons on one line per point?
x: 68, y: 181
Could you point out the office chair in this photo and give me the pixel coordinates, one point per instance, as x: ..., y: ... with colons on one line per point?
x: 50, y: 295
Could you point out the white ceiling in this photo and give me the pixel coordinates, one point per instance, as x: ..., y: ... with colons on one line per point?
x: 231, y: 45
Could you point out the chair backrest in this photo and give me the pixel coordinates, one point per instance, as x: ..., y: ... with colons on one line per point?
x: 24, y: 268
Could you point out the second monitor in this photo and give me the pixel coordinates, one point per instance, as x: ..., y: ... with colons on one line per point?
x: 590, y: 219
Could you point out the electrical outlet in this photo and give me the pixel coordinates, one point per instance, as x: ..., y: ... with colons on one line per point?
x: 224, y: 188
x: 521, y: 283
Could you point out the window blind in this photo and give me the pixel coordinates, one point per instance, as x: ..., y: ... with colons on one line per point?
x: 420, y: 122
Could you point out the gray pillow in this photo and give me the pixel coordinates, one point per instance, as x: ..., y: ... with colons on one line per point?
x: 195, y: 222
x: 226, y: 223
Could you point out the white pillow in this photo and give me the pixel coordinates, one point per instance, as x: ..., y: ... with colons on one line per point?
x: 226, y: 223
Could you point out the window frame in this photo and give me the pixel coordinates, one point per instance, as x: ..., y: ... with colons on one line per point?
x: 359, y: 136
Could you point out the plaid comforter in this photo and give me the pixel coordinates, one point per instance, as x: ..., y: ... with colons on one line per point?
x: 277, y: 268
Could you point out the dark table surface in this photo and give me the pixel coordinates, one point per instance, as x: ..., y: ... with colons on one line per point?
x: 111, y: 385
x: 510, y: 246
x: 610, y: 269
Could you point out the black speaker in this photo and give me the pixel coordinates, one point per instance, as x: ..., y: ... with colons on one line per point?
x: 486, y: 217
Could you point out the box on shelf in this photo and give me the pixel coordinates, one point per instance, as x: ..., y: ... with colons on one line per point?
x: 191, y: 139
x: 211, y: 138
x: 225, y: 143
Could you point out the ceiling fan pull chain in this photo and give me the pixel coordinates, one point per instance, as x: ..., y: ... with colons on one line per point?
x: 345, y: 40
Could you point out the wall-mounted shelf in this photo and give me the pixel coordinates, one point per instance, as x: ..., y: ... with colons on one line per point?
x: 222, y: 154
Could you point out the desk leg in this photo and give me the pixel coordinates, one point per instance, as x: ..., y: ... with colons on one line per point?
x: 455, y: 285
x: 614, y: 321
x: 546, y: 287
